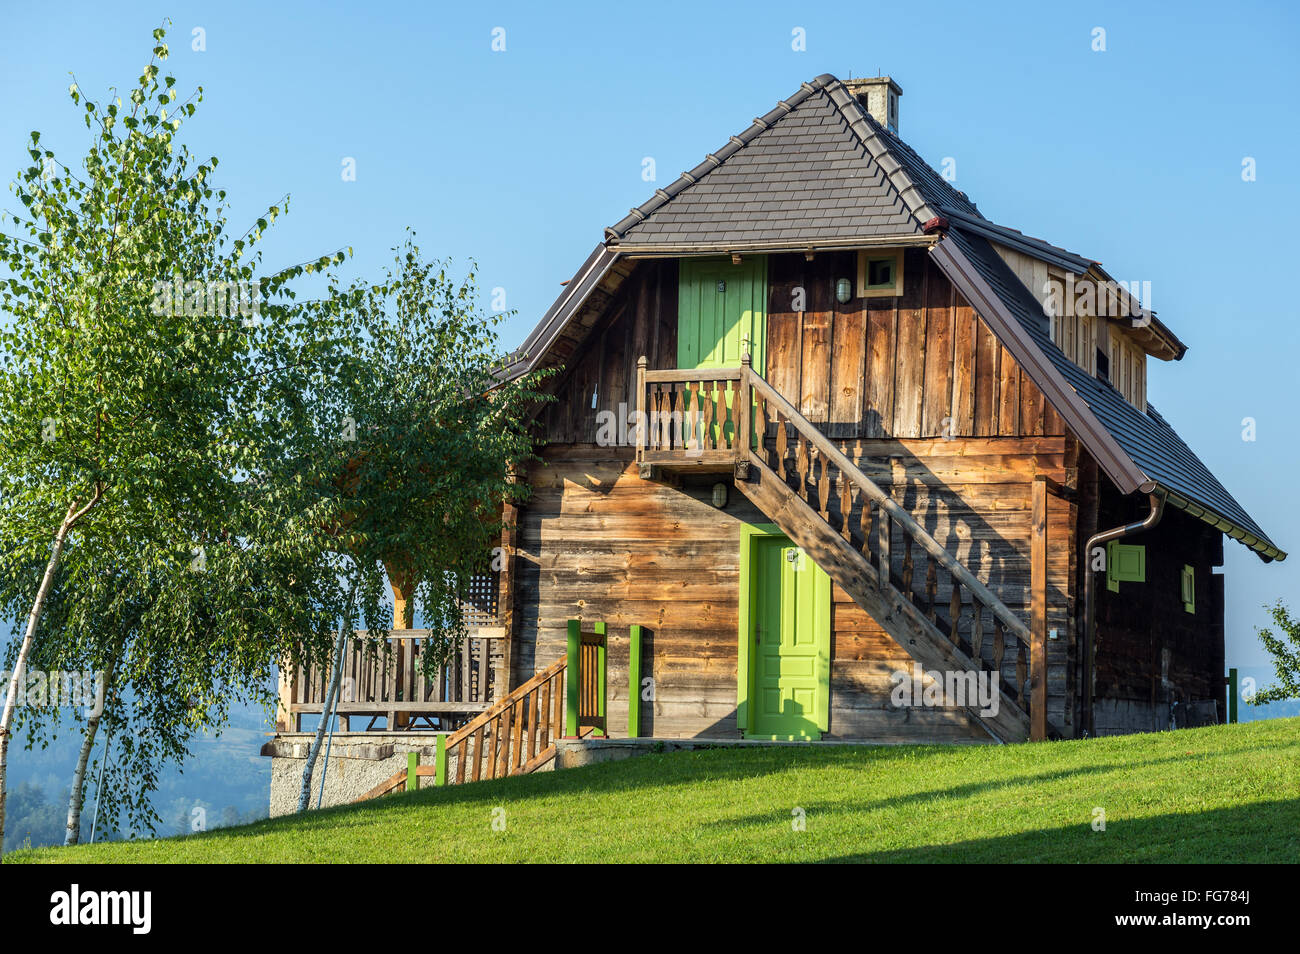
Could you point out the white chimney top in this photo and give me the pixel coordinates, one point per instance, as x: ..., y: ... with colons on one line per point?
x: 879, y: 97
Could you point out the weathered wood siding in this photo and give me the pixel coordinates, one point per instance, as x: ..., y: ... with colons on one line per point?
x: 918, y: 392
x: 921, y: 365
x: 596, y: 542
x: 1150, y: 652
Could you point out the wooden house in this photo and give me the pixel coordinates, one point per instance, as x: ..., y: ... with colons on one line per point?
x: 817, y: 421
x: 831, y: 456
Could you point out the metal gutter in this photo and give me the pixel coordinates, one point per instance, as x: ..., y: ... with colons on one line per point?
x: 1267, y: 551
x: 575, y: 292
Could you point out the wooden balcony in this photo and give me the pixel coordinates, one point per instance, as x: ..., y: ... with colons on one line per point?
x: 384, y: 679
x: 688, y: 421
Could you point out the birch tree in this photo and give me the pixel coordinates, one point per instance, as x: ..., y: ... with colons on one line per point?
x: 425, y: 434
x: 147, y: 363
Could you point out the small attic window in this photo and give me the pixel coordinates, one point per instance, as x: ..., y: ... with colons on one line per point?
x: 880, y: 274
x: 1103, y: 366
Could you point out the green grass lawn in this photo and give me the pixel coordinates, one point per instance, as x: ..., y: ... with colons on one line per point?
x: 1221, y: 794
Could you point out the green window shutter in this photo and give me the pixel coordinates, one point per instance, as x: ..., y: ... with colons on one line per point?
x: 1189, y: 589
x: 1125, y: 563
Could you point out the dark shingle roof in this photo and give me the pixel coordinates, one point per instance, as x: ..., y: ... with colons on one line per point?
x: 807, y: 177
x: 811, y: 169
x: 1147, y: 439
x: 818, y: 169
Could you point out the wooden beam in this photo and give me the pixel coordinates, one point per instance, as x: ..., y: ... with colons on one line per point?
x: 1038, y: 611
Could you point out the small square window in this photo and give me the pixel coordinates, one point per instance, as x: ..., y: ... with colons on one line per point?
x: 880, y: 274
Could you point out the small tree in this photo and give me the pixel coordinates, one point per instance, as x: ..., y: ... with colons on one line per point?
x: 1286, y: 658
x: 148, y: 373
x: 424, y: 435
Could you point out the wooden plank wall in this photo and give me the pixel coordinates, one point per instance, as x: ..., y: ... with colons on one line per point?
x: 1134, y: 684
x: 596, y: 542
x: 922, y: 396
x: 921, y: 365
x: 641, y: 319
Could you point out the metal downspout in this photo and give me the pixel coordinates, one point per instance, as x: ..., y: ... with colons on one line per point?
x: 1089, y: 597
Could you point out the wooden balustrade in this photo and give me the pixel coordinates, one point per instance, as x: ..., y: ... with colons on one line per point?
x: 890, y: 539
x: 382, y: 678
x: 692, y: 417
x: 516, y: 735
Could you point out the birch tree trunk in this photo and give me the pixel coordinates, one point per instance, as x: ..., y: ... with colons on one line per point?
x: 75, y: 800
x: 75, y: 513
x: 327, y: 711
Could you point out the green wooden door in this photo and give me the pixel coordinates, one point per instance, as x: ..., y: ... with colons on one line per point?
x: 790, y: 642
x: 721, y: 312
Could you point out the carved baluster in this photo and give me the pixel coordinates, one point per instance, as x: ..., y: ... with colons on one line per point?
x: 760, y: 428
x: 801, y: 464
x: 1022, y: 677
x: 718, y: 394
x: 824, y: 486
x: 999, y: 646
x: 954, y: 614
x: 907, y: 567
x: 866, y: 526
x: 678, y: 406
x: 693, y: 400
x: 883, y: 532
x: 846, y: 507
x: 720, y: 414
x: 977, y: 629
x: 656, y: 415
x: 705, y: 433
x: 931, y: 587
x: 733, y: 414
x: 782, y: 448
x: 664, y: 424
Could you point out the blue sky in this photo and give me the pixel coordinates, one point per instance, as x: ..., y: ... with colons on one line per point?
x: 520, y: 158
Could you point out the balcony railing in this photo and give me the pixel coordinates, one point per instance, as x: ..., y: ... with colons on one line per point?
x: 384, y: 679
x: 691, y: 419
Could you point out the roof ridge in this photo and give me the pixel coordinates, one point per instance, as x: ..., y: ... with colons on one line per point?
x: 868, y: 133
x: 713, y: 160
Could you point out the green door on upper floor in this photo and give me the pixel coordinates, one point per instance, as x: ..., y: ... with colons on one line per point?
x: 721, y: 312
x: 786, y: 655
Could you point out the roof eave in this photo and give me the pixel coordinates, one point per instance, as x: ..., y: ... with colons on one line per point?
x: 1100, y: 443
x: 768, y: 246
x: 1266, y: 549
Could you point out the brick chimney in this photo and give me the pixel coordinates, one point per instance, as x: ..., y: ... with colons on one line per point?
x: 879, y: 97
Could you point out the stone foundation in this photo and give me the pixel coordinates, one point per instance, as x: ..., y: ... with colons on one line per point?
x: 358, y: 762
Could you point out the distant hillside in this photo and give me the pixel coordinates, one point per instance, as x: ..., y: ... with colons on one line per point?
x: 225, y: 778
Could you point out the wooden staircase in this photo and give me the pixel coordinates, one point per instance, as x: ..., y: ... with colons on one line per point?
x: 514, y: 737
x: 827, y: 506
